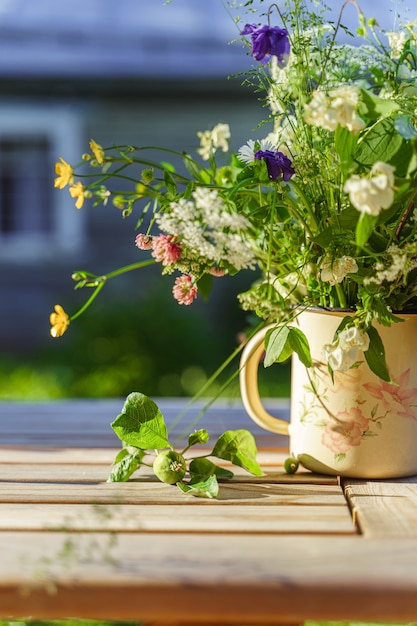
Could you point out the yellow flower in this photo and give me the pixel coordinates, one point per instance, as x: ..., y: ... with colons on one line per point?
x: 140, y: 189
x: 65, y: 174
x: 59, y: 321
x: 77, y: 191
x: 98, y: 151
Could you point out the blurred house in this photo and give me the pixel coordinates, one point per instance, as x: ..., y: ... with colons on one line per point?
x: 127, y: 72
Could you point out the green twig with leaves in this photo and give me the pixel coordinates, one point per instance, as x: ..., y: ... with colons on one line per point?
x: 143, y: 431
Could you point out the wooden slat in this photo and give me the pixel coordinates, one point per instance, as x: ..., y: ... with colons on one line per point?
x: 159, y: 493
x: 266, y: 579
x: 384, y: 508
x: 48, y: 455
x: 179, y: 518
x: 38, y: 472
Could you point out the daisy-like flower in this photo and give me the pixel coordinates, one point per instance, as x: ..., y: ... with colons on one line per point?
x: 77, y: 191
x: 144, y: 242
x: 184, y: 291
x: 247, y: 152
x: 59, y: 321
x: 65, y: 174
x: 268, y: 41
x: 165, y: 249
x: 98, y: 151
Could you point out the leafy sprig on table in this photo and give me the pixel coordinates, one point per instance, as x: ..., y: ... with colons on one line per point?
x: 143, y: 431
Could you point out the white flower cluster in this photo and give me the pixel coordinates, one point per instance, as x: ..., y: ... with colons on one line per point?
x: 205, y: 228
x: 373, y: 193
x: 211, y: 140
x: 403, y: 261
x: 336, y: 108
x: 343, y: 353
x: 334, y: 270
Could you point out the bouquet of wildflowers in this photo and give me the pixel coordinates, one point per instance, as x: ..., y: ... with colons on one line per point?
x: 322, y: 206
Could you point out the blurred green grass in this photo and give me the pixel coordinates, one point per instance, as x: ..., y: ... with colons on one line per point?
x: 150, y: 345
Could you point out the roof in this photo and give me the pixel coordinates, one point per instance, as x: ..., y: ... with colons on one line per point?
x: 118, y: 39
x: 134, y: 38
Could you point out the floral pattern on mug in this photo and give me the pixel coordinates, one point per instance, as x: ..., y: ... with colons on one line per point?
x: 360, y: 417
x: 346, y: 431
x: 397, y: 398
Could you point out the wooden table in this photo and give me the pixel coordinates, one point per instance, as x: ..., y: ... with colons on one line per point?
x: 278, y: 549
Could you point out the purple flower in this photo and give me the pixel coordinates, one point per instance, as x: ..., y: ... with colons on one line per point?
x: 277, y: 164
x: 267, y: 41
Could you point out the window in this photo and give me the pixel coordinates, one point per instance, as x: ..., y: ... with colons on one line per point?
x: 37, y: 221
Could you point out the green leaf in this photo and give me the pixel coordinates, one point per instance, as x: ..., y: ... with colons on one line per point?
x: 141, y: 423
x: 377, y: 107
x: 170, y: 183
x: 345, y: 321
x: 201, y: 468
x: 375, y: 355
x: 167, y: 166
x: 282, y: 341
x: 276, y: 345
x: 208, y: 488
x: 299, y: 344
x: 380, y: 143
x: 364, y: 228
x: 198, y: 436
x: 345, y: 144
x: 239, y: 447
x: 105, y: 168
x: 125, y: 464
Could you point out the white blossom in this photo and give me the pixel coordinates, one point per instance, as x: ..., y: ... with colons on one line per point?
x: 211, y: 140
x: 353, y: 337
x: 340, y: 360
x: 343, y: 353
x: 396, y: 42
x: 373, y: 193
x: 338, y: 107
x: 334, y: 270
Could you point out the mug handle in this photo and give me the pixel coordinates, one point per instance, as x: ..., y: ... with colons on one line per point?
x: 248, y: 379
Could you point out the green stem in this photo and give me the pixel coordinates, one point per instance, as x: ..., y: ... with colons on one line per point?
x: 130, y: 268
x: 101, y: 281
x: 90, y: 299
x: 297, y: 214
x: 209, y: 382
x: 341, y: 296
